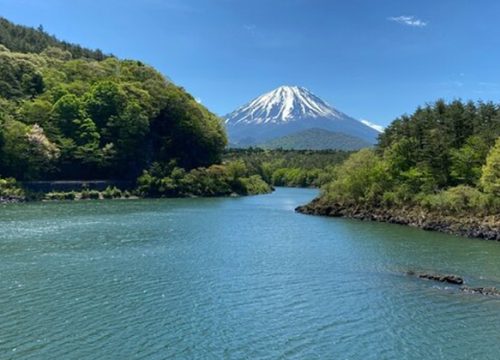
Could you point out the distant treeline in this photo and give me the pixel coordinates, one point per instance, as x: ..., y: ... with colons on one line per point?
x: 25, y: 39
x: 298, y: 168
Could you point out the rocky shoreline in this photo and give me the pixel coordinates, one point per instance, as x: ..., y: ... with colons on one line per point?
x: 10, y: 199
x: 487, y: 228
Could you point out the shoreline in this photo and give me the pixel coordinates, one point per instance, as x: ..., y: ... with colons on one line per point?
x: 6, y: 200
x: 487, y: 227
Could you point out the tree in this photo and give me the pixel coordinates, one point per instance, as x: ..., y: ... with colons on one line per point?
x: 362, y: 178
x: 490, y: 179
x: 188, y: 132
x: 67, y: 112
x: 466, y: 162
x: 87, y: 141
x: 105, y: 100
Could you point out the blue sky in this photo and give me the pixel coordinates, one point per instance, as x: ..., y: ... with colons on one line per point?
x: 371, y: 59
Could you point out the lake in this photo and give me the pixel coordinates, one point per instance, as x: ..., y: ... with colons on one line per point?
x: 235, y: 278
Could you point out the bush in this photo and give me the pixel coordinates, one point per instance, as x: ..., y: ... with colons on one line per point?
x: 254, y: 185
x: 461, y: 199
x: 490, y: 179
x: 216, y: 180
x: 10, y: 188
x: 362, y: 178
x: 60, y: 196
x: 89, y: 194
x: 112, y: 193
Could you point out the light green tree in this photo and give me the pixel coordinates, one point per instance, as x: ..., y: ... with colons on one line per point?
x: 490, y: 179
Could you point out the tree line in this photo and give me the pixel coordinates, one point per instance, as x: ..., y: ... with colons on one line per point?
x: 445, y: 157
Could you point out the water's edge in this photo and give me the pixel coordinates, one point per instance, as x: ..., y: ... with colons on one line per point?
x: 487, y: 228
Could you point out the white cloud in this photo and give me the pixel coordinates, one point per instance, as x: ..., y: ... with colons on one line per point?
x: 408, y: 20
x: 198, y: 100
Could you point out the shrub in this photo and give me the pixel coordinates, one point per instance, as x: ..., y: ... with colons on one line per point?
x: 10, y: 188
x: 87, y: 194
x: 461, y: 199
x: 112, y: 193
x: 60, y: 195
x: 490, y: 179
x: 254, y: 185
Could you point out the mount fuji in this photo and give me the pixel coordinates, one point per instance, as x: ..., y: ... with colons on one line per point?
x: 289, y: 110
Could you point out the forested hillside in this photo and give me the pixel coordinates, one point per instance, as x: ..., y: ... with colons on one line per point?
x: 69, y: 113
x: 443, y: 160
x: 24, y: 39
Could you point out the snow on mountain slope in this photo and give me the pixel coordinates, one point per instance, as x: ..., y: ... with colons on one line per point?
x: 377, y: 127
x: 286, y: 110
x: 283, y: 104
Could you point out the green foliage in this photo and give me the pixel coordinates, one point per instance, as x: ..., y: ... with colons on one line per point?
x: 466, y: 162
x: 60, y: 196
x: 29, y: 40
x: 449, y: 142
x: 216, y: 180
x: 72, y: 113
x: 434, y: 159
x: 459, y: 200
x: 87, y: 194
x: 112, y: 193
x: 490, y: 179
x: 10, y: 189
x: 298, y: 168
x: 362, y: 178
x: 187, y: 131
x: 253, y: 185
x: 20, y: 76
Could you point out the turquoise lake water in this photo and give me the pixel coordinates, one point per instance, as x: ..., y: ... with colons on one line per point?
x: 235, y: 278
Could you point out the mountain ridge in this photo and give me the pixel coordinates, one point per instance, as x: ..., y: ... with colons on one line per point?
x: 287, y: 110
x: 316, y: 139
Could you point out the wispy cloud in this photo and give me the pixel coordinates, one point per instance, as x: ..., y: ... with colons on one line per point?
x: 250, y: 27
x: 408, y: 21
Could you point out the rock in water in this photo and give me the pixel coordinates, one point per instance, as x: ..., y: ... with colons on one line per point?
x: 450, y: 279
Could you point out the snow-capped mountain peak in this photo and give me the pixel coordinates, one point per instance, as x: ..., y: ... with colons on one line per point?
x: 287, y: 110
x: 284, y: 104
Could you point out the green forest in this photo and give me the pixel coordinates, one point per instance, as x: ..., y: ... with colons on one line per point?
x: 444, y: 158
x: 71, y: 113
x: 294, y: 168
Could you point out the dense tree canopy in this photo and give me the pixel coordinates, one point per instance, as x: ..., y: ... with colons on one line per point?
x: 298, y: 168
x: 443, y: 157
x: 71, y: 113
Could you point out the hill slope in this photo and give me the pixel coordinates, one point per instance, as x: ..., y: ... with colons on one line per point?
x: 66, y: 115
x: 316, y: 139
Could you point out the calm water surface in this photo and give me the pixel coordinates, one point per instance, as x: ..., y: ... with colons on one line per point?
x: 242, y: 278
